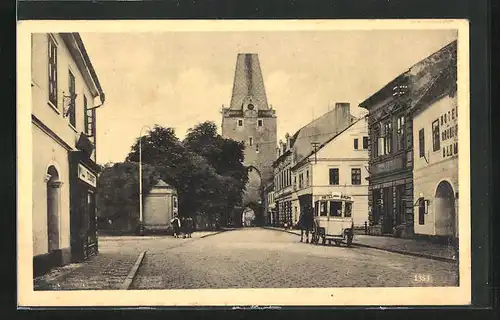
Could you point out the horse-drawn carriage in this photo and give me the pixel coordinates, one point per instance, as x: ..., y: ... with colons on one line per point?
x: 333, y: 219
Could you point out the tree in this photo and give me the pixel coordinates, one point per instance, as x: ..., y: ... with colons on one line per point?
x: 118, y: 193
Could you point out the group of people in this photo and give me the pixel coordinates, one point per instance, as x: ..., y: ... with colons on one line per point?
x: 182, y: 226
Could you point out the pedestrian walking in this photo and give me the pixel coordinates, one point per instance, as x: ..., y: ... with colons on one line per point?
x: 176, y: 226
x: 306, y: 222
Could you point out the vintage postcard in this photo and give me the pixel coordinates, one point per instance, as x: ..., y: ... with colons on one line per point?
x: 243, y: 163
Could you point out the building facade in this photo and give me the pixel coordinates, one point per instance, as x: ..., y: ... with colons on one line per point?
x: 160, y: 206
x: 339, y: 165
x: 250, y: 120
x: 435, y: 170
x: 283, y: 183
x: 269, y: 204
x: 391, y: 149
x: 65, y: 95
x: 295, y: 149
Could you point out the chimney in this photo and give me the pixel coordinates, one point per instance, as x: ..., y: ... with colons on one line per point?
x: 287, y: 137
x: 342, y: 115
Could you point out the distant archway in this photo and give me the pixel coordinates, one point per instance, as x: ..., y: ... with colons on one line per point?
x: 53, y: 207
x: 251, y: 215
x: 445, y: 207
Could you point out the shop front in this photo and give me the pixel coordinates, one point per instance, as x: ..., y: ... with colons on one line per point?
x: 83, y: 213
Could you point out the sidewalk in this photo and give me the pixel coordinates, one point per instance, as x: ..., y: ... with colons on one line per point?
x: 414, y: 247
x: 113, y: 266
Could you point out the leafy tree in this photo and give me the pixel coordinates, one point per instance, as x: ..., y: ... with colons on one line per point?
x: 118, y: 193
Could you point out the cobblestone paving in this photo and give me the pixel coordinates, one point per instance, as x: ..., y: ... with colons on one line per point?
x: 260, y: 258
x: 109, y: 269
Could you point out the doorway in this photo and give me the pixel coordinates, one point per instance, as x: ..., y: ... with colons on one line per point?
x: 445, y: 207
x: 53, y: 208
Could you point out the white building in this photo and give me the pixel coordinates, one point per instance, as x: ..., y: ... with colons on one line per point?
x: 338, y: 165
x: 65, y: 93
x: 435, y: 171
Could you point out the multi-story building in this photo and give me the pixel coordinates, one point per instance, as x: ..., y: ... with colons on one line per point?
x: 269, y: 205
x: 435, y: 159
x: 338, y: 165
x: 298, y: 147
x: 391, y: 147
x: 65, y: 95
x: 283, y: 182
x: 251, y: 120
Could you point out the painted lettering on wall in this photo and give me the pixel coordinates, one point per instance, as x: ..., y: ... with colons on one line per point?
x: 85, y: 175
x: 449, y: 132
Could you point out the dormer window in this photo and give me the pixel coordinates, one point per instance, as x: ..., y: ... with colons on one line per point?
x: 259, y: 122
x: 250, y: 106
x: 240, y: 123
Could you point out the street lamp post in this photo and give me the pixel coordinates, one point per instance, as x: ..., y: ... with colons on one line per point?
x: 141, y: 225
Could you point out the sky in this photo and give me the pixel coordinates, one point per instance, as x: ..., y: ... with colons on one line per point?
x: 180, y: 79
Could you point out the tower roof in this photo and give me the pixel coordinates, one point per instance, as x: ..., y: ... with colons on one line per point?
x: 248, y: 85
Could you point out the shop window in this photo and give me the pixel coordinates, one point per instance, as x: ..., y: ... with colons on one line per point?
x: 435, y: 136
x: 356, y: 176
x: 52, y: 72
x: 365, y: 143
x: 421, y: 143
x: 334, y: 176
x: 316, y: 208
x: 335, y: 209
x: 356, y: 144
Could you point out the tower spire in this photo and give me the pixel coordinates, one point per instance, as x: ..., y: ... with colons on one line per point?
x: 248, y: 85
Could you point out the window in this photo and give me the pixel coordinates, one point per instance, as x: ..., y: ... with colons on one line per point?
x: 365, y: 143
x: 175, y: 202
x: 307, y: 178
x: 388, y: 137
x: 240, y: 123
x: 295, y: 182
x: 301, y: 180
x: 89, y: 119
x: 435, y: 136
x: 335, y: 209
x: 259, y: 122
x: 72, y: 98
x: 421, y: 211
x: 421, y: 143
x: 455, y: 148
x: 323, y: 208
x: 250, y: 141
x: 400, y: 133
x: 356, y: 176
x: 52, y: 72
x: 442, y: 120
x: 334, y: 176
x: 356, y: 144
x: 348, y: 210
x: 257, y: 147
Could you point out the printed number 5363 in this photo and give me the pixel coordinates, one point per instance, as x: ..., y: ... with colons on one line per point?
x: 422, y: 277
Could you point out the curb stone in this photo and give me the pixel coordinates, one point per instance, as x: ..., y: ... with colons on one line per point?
x: 130, y: 277
x: 215, y: 233
x: 403, y: 252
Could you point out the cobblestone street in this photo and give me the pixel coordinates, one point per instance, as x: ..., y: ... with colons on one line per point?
x: 261, y: 258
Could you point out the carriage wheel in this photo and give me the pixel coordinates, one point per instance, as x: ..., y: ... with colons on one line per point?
x: 337, y: 243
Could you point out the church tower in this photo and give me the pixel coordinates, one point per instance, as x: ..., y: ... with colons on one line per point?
x: 251, y: 120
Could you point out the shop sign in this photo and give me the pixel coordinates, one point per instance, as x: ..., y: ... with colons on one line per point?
x: 334, y: 196
x: 85, y: 175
